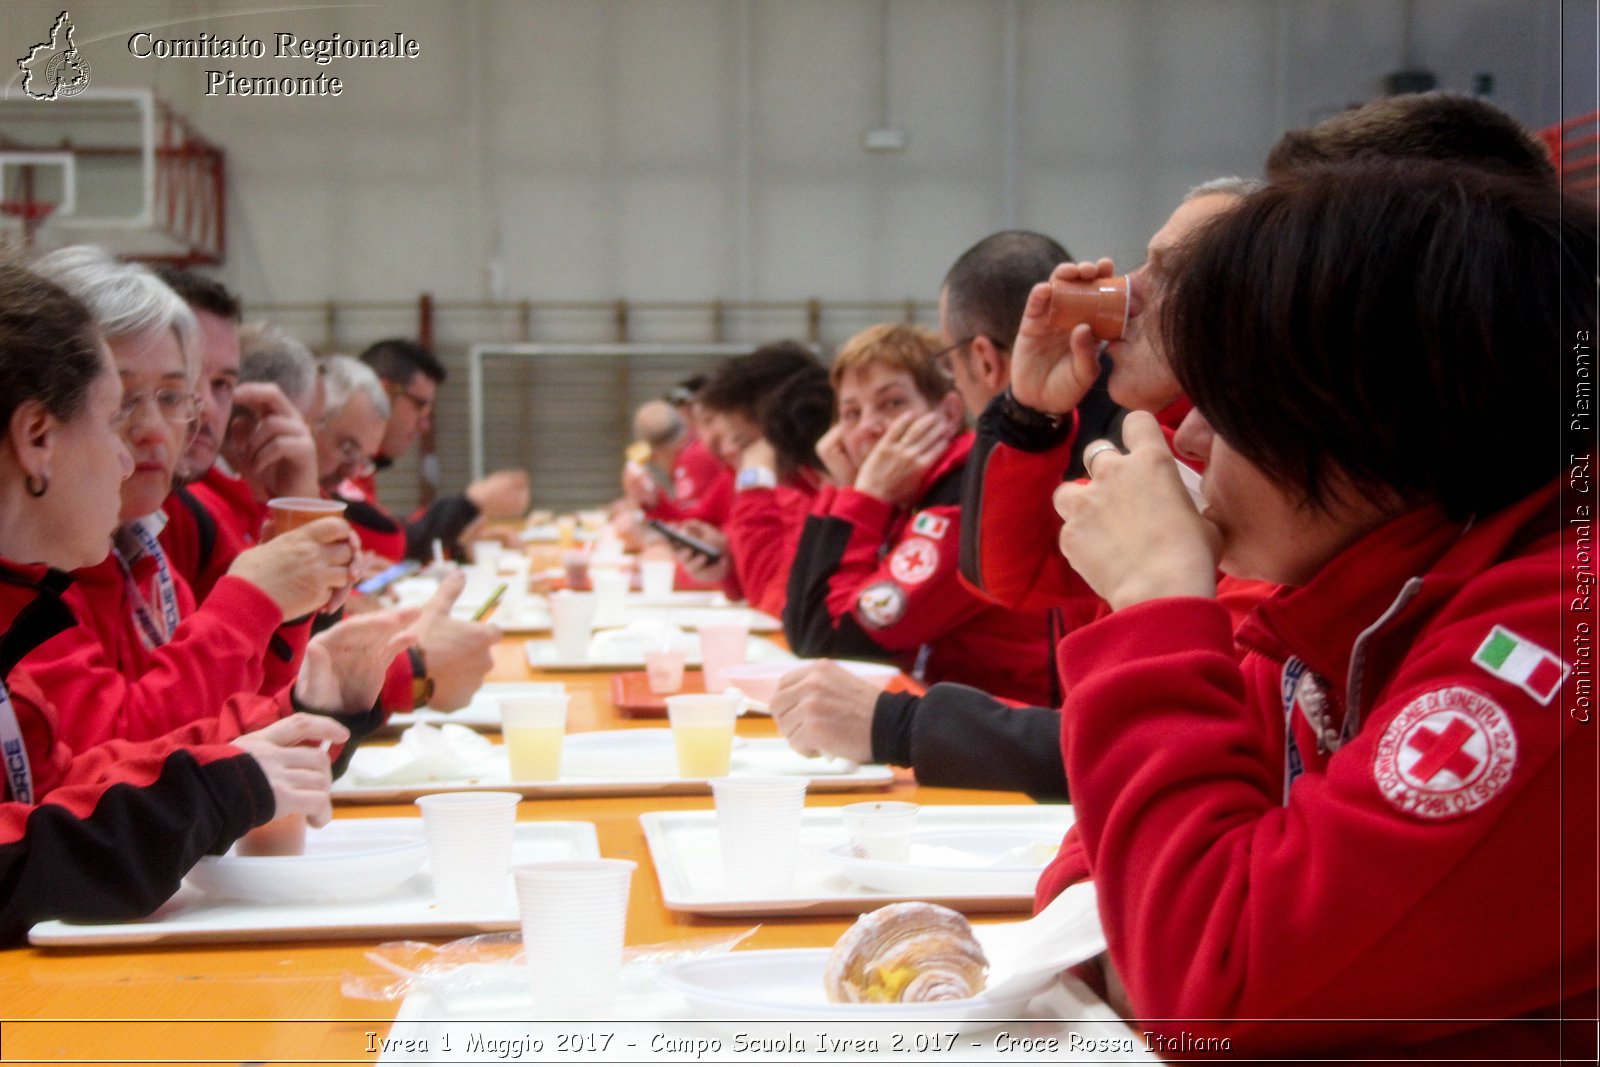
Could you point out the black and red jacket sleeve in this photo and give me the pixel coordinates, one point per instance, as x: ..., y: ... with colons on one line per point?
x: 116, y: 688
x: 380, y: 532
x: 112, y: 830
x: 867, y: 582
x: 958, y: 737
x: 444, y: 520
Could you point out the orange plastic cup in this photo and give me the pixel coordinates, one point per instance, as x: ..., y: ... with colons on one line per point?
x: 1102, y: 303
x: 292, y: 512
x: 285, y: 836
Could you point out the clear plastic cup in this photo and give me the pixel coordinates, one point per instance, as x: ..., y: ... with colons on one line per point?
x: 758, y: 825
x: 656, y: 578
x: 572, y: 624
x: 880, y: 829
x: 610, y: 595
x: 469, y: 848
x: 702, y: 732
x: 723, y: 645
x: 486, y: 556
x: 664, y: 668
x: 574, y: 924
x: 534, y: 726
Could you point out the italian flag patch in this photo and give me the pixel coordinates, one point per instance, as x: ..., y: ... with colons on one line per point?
x: 1522, y: 663
x: 933, y: 526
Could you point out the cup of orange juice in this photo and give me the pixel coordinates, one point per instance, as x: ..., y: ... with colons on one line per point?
x: 534, y: 726
x: 702, y: 732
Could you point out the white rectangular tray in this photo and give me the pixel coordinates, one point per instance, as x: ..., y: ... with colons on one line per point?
x: 482, y: 713
x: 542, y: 655
x: 406, y: 911
x: 639, y: 762
x: 688, y: 862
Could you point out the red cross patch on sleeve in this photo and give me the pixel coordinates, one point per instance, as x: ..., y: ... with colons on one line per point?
x: 1446, y: 754
x: 914, y: 561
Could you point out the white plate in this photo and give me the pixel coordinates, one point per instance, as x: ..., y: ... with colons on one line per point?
x: 979, y: 861
x: 343, y: 861
x: 482, y: 711
x: 759, y: 681
x: 693, y: 618
x: 407, y: 910
x: 629, y: 656
x: 785, y: 984
x: 688, y: 860
x: 611, y: 763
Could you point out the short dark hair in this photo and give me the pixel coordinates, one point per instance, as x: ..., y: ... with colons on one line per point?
x: 794, y: 416
x: 987, y: 288
x: 49, y: 345
x: 784, y: 390
x: 1402, y: 323
x: 202, y: 293
x: 1438, y: 125
x: 397, y: 360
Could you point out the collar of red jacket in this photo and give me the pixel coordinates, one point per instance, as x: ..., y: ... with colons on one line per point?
x: 954, y: 458
x: 31, y: 611
x: 1321, y: 621
x: 227, y: 485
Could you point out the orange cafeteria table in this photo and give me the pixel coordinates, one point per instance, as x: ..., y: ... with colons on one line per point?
x: 281, y: 1003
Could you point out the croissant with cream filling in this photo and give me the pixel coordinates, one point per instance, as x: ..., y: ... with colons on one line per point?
x: 906, y: 953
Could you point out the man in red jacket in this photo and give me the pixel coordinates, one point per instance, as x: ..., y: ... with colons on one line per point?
x: 702, y: 485
x: 412, y: 375
x: 875, y: 570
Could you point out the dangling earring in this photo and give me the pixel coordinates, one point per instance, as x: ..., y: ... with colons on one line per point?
x: 38, y: 490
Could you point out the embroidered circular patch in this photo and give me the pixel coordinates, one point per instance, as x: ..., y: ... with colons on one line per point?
x: 914, y: 561
x: 882, y: 604
x: 1447, y: 753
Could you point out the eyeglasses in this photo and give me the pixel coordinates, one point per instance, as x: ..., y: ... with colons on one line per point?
x: 941, y: 358
x: 424, y: 404
x: 174, y: 405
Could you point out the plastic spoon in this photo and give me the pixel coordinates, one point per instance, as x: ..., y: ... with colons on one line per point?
x: 1064, y: 933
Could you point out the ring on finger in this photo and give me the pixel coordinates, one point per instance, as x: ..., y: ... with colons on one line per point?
x: 1094, y: 451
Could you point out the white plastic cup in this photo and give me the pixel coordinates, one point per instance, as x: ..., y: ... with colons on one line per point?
x: 486, y: 556
x: 758, y: 824
x: 880, y: 830
x: 572, y: 624
x: 702, y: 732
x: 610, y: 594
x: 469, y: 848
x: 574, y: 924
x: 534, y: 726
x: 656, y: 578
x: 723, y: 645
x: 664, y: 668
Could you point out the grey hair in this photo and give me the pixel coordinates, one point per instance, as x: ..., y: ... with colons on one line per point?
x: 1231, y: 185
x: 124, y: 298
x: 267, y: 354
x: 344, y: 377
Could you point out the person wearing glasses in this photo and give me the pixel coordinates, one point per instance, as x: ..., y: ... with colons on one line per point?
x: 411, y: 376
x: 66, y: 850
x: 216, y: 510
x: 348, y: 435
x: 953, y: 735
x: 875, y: 571
x: 143, y: 659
